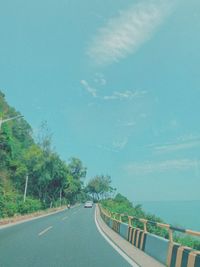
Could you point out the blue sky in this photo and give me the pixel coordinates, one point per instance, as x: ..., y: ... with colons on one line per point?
x: 118, y: 83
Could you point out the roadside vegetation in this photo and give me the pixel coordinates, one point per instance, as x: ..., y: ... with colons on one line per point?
x: 51, y: 181
x: 120, y: 204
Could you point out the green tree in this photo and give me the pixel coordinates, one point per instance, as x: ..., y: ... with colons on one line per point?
x: 50, y: 178
x: 76, y: 168
x: 100, y: 187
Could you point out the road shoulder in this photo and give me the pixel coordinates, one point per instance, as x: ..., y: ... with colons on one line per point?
x: 133, y: 253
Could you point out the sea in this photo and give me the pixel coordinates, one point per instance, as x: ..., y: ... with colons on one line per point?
x: 184, y: 214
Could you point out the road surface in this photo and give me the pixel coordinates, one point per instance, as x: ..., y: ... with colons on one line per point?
x: 66, y: 239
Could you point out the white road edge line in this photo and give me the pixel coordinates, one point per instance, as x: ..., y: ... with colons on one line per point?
x: 129, y: 260
x: 45, y: 230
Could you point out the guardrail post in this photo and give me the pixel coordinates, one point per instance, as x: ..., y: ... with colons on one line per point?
x: 130, y: 221
x: 170, y: 235
x: 145, y: 226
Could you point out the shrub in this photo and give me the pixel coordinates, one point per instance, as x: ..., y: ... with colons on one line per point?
x: 29, y: 206
x: 12, y: 203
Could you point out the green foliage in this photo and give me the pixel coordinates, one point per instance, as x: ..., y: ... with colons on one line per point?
x: 76, y: 168
x: 51, y: 181
x: 100, y: 187
x: 188, y: 241
x: 12, y: 203
x: 31, y: 205
x: 5, y: 150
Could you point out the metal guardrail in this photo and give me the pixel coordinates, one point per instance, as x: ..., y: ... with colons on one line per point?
x: 168, y: 227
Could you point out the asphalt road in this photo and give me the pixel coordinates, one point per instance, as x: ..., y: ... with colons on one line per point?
x: 66, y: 239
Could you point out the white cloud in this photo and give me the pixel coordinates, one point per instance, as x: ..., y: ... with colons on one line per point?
x: 163, y: 166
x: 124, y: 34
x: 116, y: 145
x: 106, y: 148
x: 88, y: 88
x: 184, y: 143
x: 120, y: 144
x: 176, y: 147
x: 100, y: 79
x: 125, y: 95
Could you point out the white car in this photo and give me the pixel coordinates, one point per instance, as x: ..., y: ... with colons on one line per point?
x: 88, y: 204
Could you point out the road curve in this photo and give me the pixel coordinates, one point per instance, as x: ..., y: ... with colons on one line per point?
x: 66, y: 239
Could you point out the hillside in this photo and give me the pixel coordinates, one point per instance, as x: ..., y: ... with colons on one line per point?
x: 51, y: 181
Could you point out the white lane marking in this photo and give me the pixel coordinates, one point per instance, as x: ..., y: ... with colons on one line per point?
x: 35, y: 218
x: 31, y: 219
x: 45, y: 230
x: 129, y: 260
x: 64, y: 218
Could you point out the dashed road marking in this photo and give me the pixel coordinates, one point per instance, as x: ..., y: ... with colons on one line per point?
x: 45, y: 230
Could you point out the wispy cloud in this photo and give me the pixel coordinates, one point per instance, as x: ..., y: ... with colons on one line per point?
x: 125, y: 95
x: 162, y: 166
x: 100, y: 79
x: 116, y: 146
x: 107, y: 148
x: 91, y: 90
x: 172, y: 147
x: 176, y: 147
x: 124, y: 34
x: 120, y: 144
